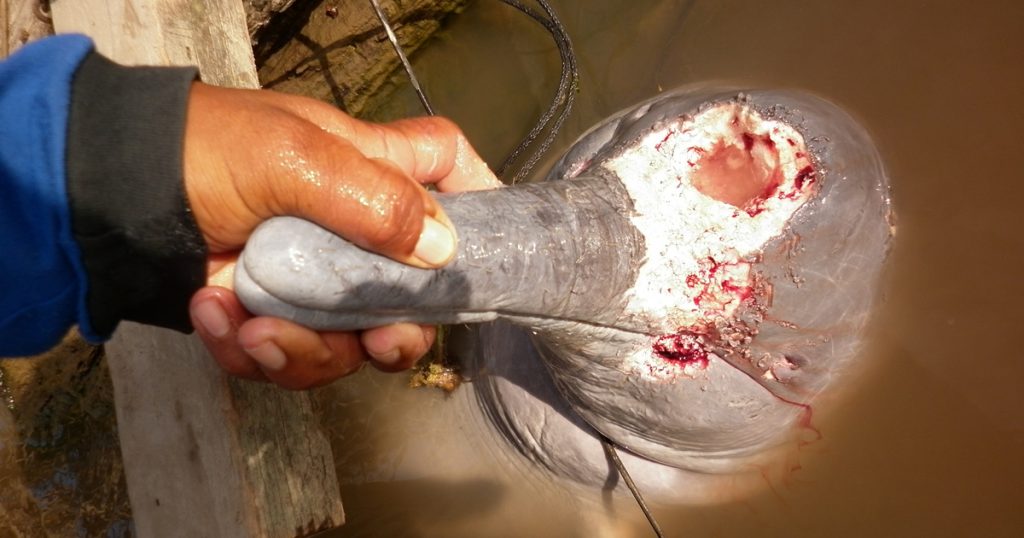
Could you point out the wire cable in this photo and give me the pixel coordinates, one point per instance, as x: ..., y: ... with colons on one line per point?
x: 559, y: 109
x: 401, y: 56
x: 561, y: 104
x: 609, y: 449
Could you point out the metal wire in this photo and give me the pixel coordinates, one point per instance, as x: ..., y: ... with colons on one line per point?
x: 561, y: 106
x: 401, y: 56
x: 609, y: 449
x: 559, y: 109
x: 565, y: 96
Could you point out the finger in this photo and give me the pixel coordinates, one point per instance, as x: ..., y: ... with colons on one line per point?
x: 370, y: 202
x: 434, y: 150
x: 293, y: 167
x: 429, y: 149
x: 295, y: 357
x: 397, y: 347
x: 216, y: 315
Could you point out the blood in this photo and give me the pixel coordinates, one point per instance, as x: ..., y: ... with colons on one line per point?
x: 805, y: 175
x: 663, y: 140
x: 756, y: 206
x: 708, y: 270
x: 749, y: 140
x: 697, y: 150
x: 682, y: 349
x: 806, y: 419
x: 741, y: 292
x: 739, y: 176
x: 708, y: 277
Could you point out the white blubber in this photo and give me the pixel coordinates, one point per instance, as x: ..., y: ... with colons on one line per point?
x: 709, y: 191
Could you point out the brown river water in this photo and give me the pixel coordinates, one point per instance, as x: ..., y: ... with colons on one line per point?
x: 930, y: 441
x: 927, y: 442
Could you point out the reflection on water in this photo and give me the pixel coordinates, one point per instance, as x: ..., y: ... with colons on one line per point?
x: 929, y: 442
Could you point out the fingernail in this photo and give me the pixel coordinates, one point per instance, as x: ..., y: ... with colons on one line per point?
x: 390, y: 357
x: 212, y: 317
x: 268, y: 355
x: 437, y: 243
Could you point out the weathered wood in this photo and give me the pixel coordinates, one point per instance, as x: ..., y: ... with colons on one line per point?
x: 259, y: 12
x: 167, y: 32
x: 64, y: 436
x: 56, y: 415
x: 26, y: 21
x: 4, y: 32
x: 338, y: 51
x: 204, y: 455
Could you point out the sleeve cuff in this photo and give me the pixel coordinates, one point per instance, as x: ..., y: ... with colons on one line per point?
x: 140, y: 246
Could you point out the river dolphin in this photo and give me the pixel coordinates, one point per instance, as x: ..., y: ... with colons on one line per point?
x: 694, y: 272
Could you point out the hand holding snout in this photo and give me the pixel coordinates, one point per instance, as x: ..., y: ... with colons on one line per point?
x: 251, y: 155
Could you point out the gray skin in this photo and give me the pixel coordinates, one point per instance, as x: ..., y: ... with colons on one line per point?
x: 554, y: 264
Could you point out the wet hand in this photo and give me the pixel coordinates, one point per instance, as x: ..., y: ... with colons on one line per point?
x: 251, y: 155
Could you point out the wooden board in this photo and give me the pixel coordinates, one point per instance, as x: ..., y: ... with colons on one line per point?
x: 204, y: 455
x: 25, y: 22
x: 4, y: 30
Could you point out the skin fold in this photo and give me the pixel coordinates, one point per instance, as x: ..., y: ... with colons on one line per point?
x: 694, y: 274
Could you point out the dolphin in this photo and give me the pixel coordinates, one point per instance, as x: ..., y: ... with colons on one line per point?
x: 693, y: 274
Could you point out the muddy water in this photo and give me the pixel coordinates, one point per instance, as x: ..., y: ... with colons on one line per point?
x: 928, y: 441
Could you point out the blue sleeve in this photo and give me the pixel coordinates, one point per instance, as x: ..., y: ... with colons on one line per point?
x: 42, y: 278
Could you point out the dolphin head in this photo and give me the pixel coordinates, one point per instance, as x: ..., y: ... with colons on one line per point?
x: 765, y: 219
x: 695, y: 272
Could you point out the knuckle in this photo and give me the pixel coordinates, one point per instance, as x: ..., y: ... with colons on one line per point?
x: 294, y: 133
x: 399, y: 217
x: 445, y: 126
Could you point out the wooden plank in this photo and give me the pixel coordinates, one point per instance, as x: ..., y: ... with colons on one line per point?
x: 26, y: 21
x: 204, y: 455
x: 5, y: 38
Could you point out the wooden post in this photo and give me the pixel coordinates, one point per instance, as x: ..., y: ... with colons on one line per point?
x: 204, y: 455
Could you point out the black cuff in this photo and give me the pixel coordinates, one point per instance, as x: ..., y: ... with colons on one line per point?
x: 143, y: 253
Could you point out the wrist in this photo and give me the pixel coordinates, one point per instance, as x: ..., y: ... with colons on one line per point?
x: 141, y: 248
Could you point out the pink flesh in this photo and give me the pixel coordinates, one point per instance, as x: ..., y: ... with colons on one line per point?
x: 734, y: 175
x: 742, y: 171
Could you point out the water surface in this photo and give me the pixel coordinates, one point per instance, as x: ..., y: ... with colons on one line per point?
x: 929, y: 441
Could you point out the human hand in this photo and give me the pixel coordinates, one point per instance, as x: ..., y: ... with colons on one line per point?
x: 251, y: 155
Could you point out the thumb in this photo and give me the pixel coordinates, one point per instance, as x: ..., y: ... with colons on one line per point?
x: 369, y: 201
x: 249, y: 158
